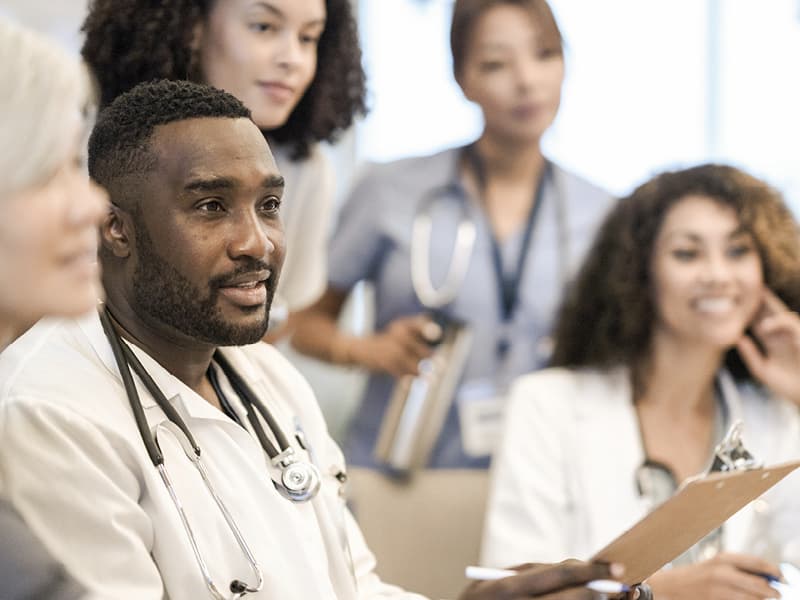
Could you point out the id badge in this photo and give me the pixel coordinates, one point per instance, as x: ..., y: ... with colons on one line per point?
x: 481, y: 405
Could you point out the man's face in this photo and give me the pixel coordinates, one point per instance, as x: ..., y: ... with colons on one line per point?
x: 209, y: 240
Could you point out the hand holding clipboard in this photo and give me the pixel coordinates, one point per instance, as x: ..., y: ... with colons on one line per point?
x: 700, y: 505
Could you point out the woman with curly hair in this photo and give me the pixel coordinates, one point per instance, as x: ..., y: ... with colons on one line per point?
x: 679, y: 324
x: 296, y: 64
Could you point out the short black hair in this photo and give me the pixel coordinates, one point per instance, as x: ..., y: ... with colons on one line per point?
x: 119, y: 143
x: 130, y: 41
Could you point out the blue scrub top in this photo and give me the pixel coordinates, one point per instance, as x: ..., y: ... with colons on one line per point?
x: 372, y: 242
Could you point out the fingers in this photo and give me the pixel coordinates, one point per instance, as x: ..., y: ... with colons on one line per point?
x: 748, y: 563
x: 773, y: 303
x: 540, y: 580
x: 752, y: 356
x: 783, y: 322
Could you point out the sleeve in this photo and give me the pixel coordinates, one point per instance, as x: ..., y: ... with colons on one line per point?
x: 26, y: 569
x: 358, y: 241
x: 87, y: 517
x: 527, y: 517
x: 783, y: 501
x: 304, y: 274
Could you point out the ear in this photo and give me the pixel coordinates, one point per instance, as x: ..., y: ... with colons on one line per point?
x: 116, y: 231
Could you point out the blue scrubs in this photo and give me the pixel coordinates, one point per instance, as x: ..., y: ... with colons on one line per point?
x: 372, y: 242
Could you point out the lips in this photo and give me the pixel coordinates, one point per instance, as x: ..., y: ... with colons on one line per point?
x: 249, y: 289
x: 715, y: 305
x: 277, y: 90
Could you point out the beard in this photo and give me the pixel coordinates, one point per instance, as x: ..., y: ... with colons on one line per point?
x: 164, y: 294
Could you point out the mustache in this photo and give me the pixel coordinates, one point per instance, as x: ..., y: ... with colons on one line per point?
x: 247, y: 266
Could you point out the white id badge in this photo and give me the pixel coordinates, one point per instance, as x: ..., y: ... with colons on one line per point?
x: 480, y: 415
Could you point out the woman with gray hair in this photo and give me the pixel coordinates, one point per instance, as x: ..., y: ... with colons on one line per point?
x: 48, y: 242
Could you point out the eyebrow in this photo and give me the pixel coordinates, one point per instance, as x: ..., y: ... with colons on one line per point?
x: 739, y: 231
x: 278, y: 13
x: 211, y: 184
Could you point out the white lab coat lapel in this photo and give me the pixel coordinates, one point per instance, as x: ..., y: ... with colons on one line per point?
x: 737, y: 527
x: 606, y: 434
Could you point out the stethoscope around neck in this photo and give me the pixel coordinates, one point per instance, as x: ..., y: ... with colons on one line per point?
x: 299, y: 481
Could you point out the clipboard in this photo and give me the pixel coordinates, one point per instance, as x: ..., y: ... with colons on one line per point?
x: 698, y: 507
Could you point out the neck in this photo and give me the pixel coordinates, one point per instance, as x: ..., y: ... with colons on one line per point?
x: 510, y: 160
x: 678, y: 377
x: 11, y: 329
x: 183, y: 357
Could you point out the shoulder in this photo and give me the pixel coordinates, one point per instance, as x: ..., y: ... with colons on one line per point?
x: 766, y: 415
x: 564, y: 382
x: 316, y: 161
x: 579, y: 185
x: 54, y: 377
x: 414, y: 173
x: 51, y: 359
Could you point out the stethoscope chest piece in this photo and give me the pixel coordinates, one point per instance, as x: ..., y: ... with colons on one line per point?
x: 300, y: 480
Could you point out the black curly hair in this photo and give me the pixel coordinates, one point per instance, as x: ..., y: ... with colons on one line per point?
x: 131, y: 41
x: 608, y: 314
x: 119, y: 143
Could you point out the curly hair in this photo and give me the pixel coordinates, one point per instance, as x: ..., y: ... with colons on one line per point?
x: 119, y: 143
x: 467, y: 13
x: 131, y: 41
x: 608, y: 314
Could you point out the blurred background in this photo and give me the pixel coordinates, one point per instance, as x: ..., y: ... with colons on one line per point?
x: 650, y: 84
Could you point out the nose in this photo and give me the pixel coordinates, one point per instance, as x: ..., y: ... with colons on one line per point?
x: 289, y: 53
x: 251, y: 236
x: 716, y: 269
x: 90, y: 206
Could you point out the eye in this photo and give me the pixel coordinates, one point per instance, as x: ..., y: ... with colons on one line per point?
x: 271, y: 205
x: 684, y: 254
x: 739, y: 249
x: 211, y: 205
x: 261, y: 26
x: 309, y: 39
x: 491, y: 65
x: 547, y: 53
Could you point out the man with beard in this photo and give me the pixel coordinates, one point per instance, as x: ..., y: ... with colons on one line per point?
x: 149, y: 460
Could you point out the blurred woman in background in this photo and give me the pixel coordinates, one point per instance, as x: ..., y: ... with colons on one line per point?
x: 680, y: 323
x: 532, y: 222
x: 48, y: 242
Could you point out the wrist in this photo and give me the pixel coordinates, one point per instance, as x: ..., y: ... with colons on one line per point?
x: 343, y: 350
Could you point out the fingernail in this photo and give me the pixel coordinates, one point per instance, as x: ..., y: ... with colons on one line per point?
x: 617, y: 569
x: 432, y: 331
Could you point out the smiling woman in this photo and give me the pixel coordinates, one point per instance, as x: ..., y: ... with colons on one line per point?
x: 678, y: 325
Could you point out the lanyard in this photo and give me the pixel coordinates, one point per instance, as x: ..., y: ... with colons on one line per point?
x: 508, y: 284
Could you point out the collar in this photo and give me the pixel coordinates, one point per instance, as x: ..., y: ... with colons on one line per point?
x: 173, y: 388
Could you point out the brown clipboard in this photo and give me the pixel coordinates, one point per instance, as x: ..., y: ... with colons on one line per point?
x: 697, y: 508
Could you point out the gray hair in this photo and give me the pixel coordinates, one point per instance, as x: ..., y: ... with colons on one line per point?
x: 44, y: 94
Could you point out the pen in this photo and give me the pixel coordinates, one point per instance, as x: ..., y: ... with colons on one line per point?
x: 603, y: 586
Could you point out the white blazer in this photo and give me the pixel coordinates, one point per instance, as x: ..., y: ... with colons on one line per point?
x: 74, y: 465
x: 563, y: 478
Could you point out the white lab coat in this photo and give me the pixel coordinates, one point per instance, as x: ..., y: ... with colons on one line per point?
x: 563, y: 480
x: 73, y: 464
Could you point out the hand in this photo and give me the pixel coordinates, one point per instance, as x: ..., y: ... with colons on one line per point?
x: 563, y: 581
x: 777, y: 366
x: 399, y: 348
x: 727, y: 576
